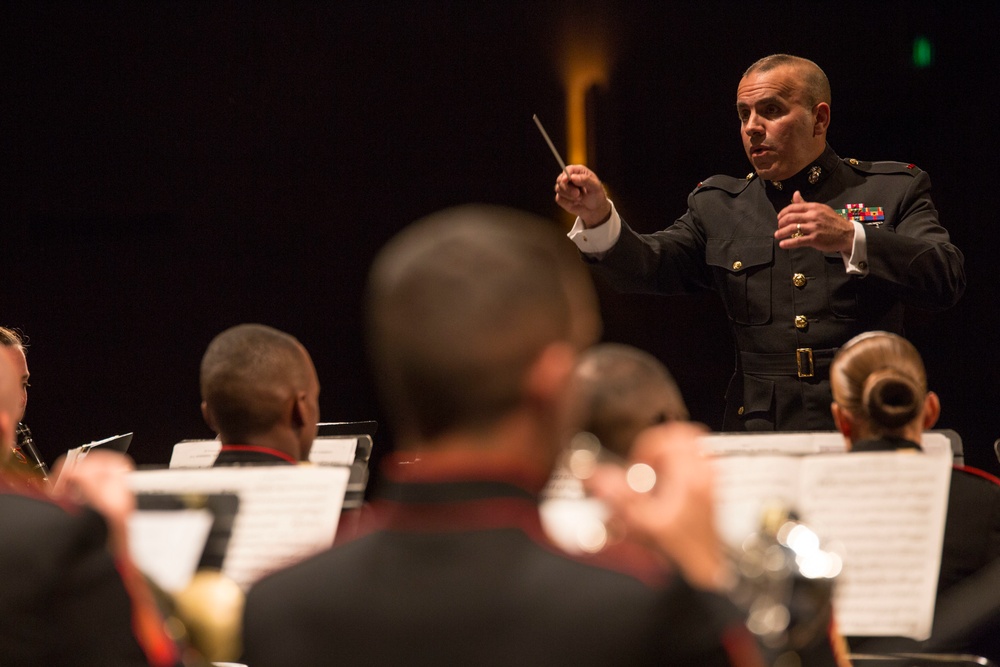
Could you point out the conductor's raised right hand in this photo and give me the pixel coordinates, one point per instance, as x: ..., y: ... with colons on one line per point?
x: 579, y: 191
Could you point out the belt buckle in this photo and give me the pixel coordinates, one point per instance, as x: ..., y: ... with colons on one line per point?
x: 804, y: 360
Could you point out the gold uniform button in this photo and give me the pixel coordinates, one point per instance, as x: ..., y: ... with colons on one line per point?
x: 801, y: 322
x: 737, y: 265
x: 799, y: 280
x: 853, y: 161
x: 740, y: 411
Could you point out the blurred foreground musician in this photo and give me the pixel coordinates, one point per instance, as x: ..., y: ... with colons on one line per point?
x: 625, y: 394
x: 69, y: 594
x: 476, y: 318
x: 260, y: 393
x: 881, y: 403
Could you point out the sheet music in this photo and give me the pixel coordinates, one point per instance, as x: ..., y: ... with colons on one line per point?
x: 818, y: 442
x: 334, y: 450
x: 887, y: 510
x: 813, y: 442
x: 195, y: 454
x: 166, y: 545
x: 563, y: 485
x: 744, y: 485
x: 326, y: 450
x: 570, y: 518
x: 286, y: 512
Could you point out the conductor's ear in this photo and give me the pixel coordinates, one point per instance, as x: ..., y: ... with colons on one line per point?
x: 821, y: 113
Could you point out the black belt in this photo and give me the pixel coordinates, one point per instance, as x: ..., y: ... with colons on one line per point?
x: 803, y: 363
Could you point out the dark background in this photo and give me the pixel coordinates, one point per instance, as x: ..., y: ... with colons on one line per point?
x: 171, y: 169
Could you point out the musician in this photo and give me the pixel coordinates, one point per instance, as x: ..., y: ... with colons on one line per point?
x: 25, y: 452
x: 881, y: 403
x: 260, y: 394
x: 622, y: 390
x: 476, y: 318
x: 70, y: 595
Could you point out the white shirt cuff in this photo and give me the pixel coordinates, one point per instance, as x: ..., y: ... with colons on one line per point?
x: 600, y: 239
x: 857, y: 262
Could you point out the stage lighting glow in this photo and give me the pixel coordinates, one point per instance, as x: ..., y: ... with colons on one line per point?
x: 923, y: 54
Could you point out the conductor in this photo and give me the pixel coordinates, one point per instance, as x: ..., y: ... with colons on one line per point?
x: 807, y: 251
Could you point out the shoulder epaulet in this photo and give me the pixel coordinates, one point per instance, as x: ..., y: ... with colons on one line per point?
x: 882, y: 167
x: 733, y: 186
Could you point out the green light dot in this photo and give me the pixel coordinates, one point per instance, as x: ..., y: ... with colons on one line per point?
x: 922, y: 54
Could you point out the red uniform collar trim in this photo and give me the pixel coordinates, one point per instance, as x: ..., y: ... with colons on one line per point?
x: 978, y: 473
x: 260, y: 450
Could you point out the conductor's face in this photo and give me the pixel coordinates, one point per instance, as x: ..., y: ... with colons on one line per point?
x: 781, y: 133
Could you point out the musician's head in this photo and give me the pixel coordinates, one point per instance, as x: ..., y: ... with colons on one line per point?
x: 477, y: 314
x: 880, y: 389
x: 259, y: 387
x: 12, y: 347
x: 621, y: 391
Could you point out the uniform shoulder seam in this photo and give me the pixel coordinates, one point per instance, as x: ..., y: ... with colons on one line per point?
x: 729, y: 184
x: 883, y: 167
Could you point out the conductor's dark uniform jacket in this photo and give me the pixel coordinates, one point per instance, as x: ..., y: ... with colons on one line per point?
x: 789, y: 310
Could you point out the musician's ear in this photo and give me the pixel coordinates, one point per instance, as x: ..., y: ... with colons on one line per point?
x: 209, y: 417
x: 932, y: 410
x: 844, y: 421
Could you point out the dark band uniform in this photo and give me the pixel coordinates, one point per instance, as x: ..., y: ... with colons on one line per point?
x: 971, y: 541
x: 61, y: 598
x: 789, y: 310
x: 452, y: 568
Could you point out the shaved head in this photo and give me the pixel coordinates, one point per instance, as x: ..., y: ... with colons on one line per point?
x: 620, y: 391
x: 461, y: 304
x: 815, y: 86
x: 249, y: 375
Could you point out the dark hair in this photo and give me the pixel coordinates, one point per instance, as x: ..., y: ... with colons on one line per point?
x: 815, y: 85
x: 880, y: 377
x: 246, y: 374
x: 460, y: 304
x: 622, y: 390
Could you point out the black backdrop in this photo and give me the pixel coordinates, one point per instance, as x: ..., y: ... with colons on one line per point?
x: 170, y: 169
